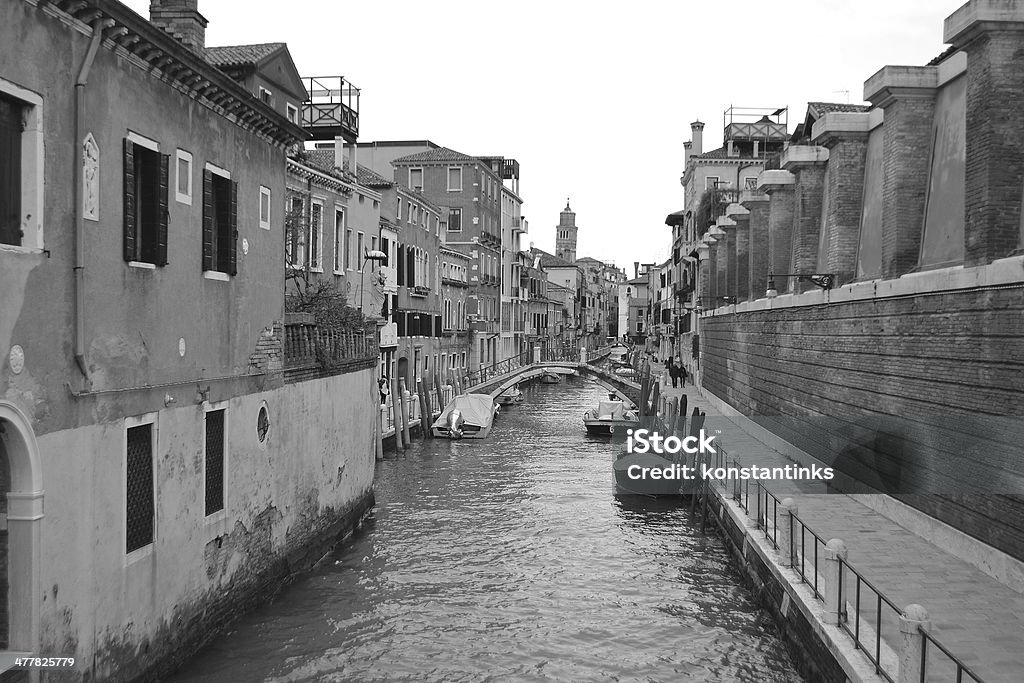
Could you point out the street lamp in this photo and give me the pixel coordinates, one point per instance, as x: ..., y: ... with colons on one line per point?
x: 822, y: 280
x: 370, y: 255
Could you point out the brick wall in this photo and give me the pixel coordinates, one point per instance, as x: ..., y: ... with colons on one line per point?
x: 758, y: 264
x: 995, y: 145
x: 807, y: 200
x: 907, y: 146
x: 780, y: 232
x: 845, y: 190
x: 743, y: 258
x: 905, y: 394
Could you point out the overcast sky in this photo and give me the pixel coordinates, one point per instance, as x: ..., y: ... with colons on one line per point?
x: 594, y: 99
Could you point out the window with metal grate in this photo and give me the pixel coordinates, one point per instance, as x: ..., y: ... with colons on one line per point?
x: 139, y: 483
x: 214, y: 461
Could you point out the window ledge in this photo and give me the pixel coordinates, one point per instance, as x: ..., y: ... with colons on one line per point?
x: 142, y: 265
x: 216, y: 275
x: 139, y: 554
x: 17, y: 249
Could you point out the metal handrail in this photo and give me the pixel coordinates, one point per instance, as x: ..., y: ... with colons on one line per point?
x: 844, y: 617
x: 793, y: 556
x: 961, y: 668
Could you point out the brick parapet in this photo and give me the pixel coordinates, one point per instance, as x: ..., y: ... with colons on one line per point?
x: 758, y: 263
x: 844, y: 198
x: 807, y: 209
x: 781, y: 214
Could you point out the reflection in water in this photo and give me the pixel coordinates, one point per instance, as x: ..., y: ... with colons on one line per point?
x: 510, y: 559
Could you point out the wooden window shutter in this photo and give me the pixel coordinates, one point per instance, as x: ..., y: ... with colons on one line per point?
x: 232, y: 263
x: 161, y: 230
x: 208, y: 221
x: 130, y: 201
x: 401, y: 264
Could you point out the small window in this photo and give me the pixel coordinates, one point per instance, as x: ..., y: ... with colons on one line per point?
x: 292, y: 112
x: 21, y: 169
x: 264, y: 207
x: 711, y: 182
x: 213, y: 462
x: 416, y: 179
x: 316, y: 236
x: 220, y: 213
x: 183, y: 178
x: 339, y: 243
x: 359, y: 250
x: 455, y: 179
x: 140, y: 508
x: 348, y: 249
x: 294, y: 241
x: 750, y: 183
x: 398, y: 215
x: 145, y: 202
x: 263, y: 424
x: 266, y: 96
x: 454, y: 220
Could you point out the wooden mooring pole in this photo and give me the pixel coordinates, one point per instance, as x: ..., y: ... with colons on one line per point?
x: 405, y: 413
x: 422, y: 390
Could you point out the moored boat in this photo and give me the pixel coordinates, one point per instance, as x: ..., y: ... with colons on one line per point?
x: 469, y: 416
x: 550, y: 378
x: 609, y: 417
x: 512, y: 396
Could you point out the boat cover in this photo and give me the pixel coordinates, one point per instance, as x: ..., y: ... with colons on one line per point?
x: 476, y: 409
x: 610, y: 410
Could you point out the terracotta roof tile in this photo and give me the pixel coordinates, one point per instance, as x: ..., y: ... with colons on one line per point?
x: 239, y: 55
x: 438, y: 154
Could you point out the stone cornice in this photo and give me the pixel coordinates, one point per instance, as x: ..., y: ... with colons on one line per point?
x: 801, y: 156
x: 737, y: 212
x: 752, y: 196
x: 977, y: 17
x: 836, y: 126
x: 892, y: 83
x: 771, y: 181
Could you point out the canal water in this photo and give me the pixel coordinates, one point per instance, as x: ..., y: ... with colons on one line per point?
x: 510, y: 559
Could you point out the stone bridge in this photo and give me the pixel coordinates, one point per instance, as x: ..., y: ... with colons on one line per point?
x: 624, y: 388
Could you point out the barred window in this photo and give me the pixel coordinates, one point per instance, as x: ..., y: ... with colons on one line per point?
x: 214, y: 461
x: 139, y: 484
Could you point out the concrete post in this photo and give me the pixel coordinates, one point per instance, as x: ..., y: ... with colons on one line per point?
x: 911, y: 643
x: 785, y: 531
x: 835, y: 550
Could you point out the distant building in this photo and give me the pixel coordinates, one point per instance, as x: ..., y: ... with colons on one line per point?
x: 566, y: 235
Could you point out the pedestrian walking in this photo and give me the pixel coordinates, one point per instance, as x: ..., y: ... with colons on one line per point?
x: 682, y: 372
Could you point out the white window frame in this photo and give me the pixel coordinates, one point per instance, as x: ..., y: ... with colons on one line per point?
x: 348, y: 248
x: 339, y: 240
x: 32, y: 162
x: 130, y: 422
x: 209, y: 408
x: 412, y: 186
x: 183, y: 197
x: 223, y: 173
x: 292, y: 113
x: 270, y: 96
x: 360, y: 245
x: 448, y: 178
x: 265, y: 192
x: 300, y: 247
x: 459, y: 210
x: 317, y: 201
x: 398, y: 215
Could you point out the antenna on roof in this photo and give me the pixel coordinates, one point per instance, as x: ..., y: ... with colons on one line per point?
x: 843, y: 92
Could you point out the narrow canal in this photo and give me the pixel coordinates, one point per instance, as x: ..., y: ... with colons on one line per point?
x: 509, y: 559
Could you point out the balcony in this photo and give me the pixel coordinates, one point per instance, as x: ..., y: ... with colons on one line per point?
x: 490, y: 239
x: 332, y: 109
x: 419, y: 290
x: 454, y: 281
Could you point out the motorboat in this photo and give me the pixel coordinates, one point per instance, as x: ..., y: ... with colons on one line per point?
x: 610, y: 417
x: 468, y: 416
x: 647, y: 474
x: 510, y: 397
x: 550, y: 378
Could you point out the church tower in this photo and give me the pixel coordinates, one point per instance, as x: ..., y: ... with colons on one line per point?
x: 565, y: 238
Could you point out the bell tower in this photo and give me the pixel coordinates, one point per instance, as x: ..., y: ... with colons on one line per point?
x: 565, y: 237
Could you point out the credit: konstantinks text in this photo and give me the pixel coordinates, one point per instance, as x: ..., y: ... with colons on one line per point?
x: 645, y: 441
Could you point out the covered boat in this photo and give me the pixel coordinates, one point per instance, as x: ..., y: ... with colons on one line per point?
x: 513, y: 395
x: 467, y: 416
x: 609, y: 417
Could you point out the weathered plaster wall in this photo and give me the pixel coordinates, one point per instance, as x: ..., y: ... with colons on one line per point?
x: 134, y: 317
x: 283, y: 503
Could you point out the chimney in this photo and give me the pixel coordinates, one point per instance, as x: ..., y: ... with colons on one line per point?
x: 697, y: 130
x: 636, y: 269
x: 180, y: 18
x: 687, y: 151
x: 353, y: 157
x: 339, y: 152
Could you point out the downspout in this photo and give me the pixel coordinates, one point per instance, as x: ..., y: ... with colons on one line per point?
x: 83, y: 78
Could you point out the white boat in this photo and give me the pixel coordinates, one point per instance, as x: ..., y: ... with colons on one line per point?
x: 513, y: 395
x: 610, y: 417
x: 468, y: 416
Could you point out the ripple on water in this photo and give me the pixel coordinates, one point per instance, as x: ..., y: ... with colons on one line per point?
x: 510, y: 559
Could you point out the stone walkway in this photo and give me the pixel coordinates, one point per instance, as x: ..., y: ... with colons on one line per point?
x: 977, y: 618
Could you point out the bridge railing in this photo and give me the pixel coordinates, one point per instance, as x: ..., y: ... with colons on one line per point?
x: 498, y: 369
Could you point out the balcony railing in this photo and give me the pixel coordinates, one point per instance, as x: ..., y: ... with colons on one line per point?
x: 309, y: 346
x: 332, y: 108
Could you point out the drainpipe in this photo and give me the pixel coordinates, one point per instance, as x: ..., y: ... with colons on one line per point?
x: 83, y: 78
